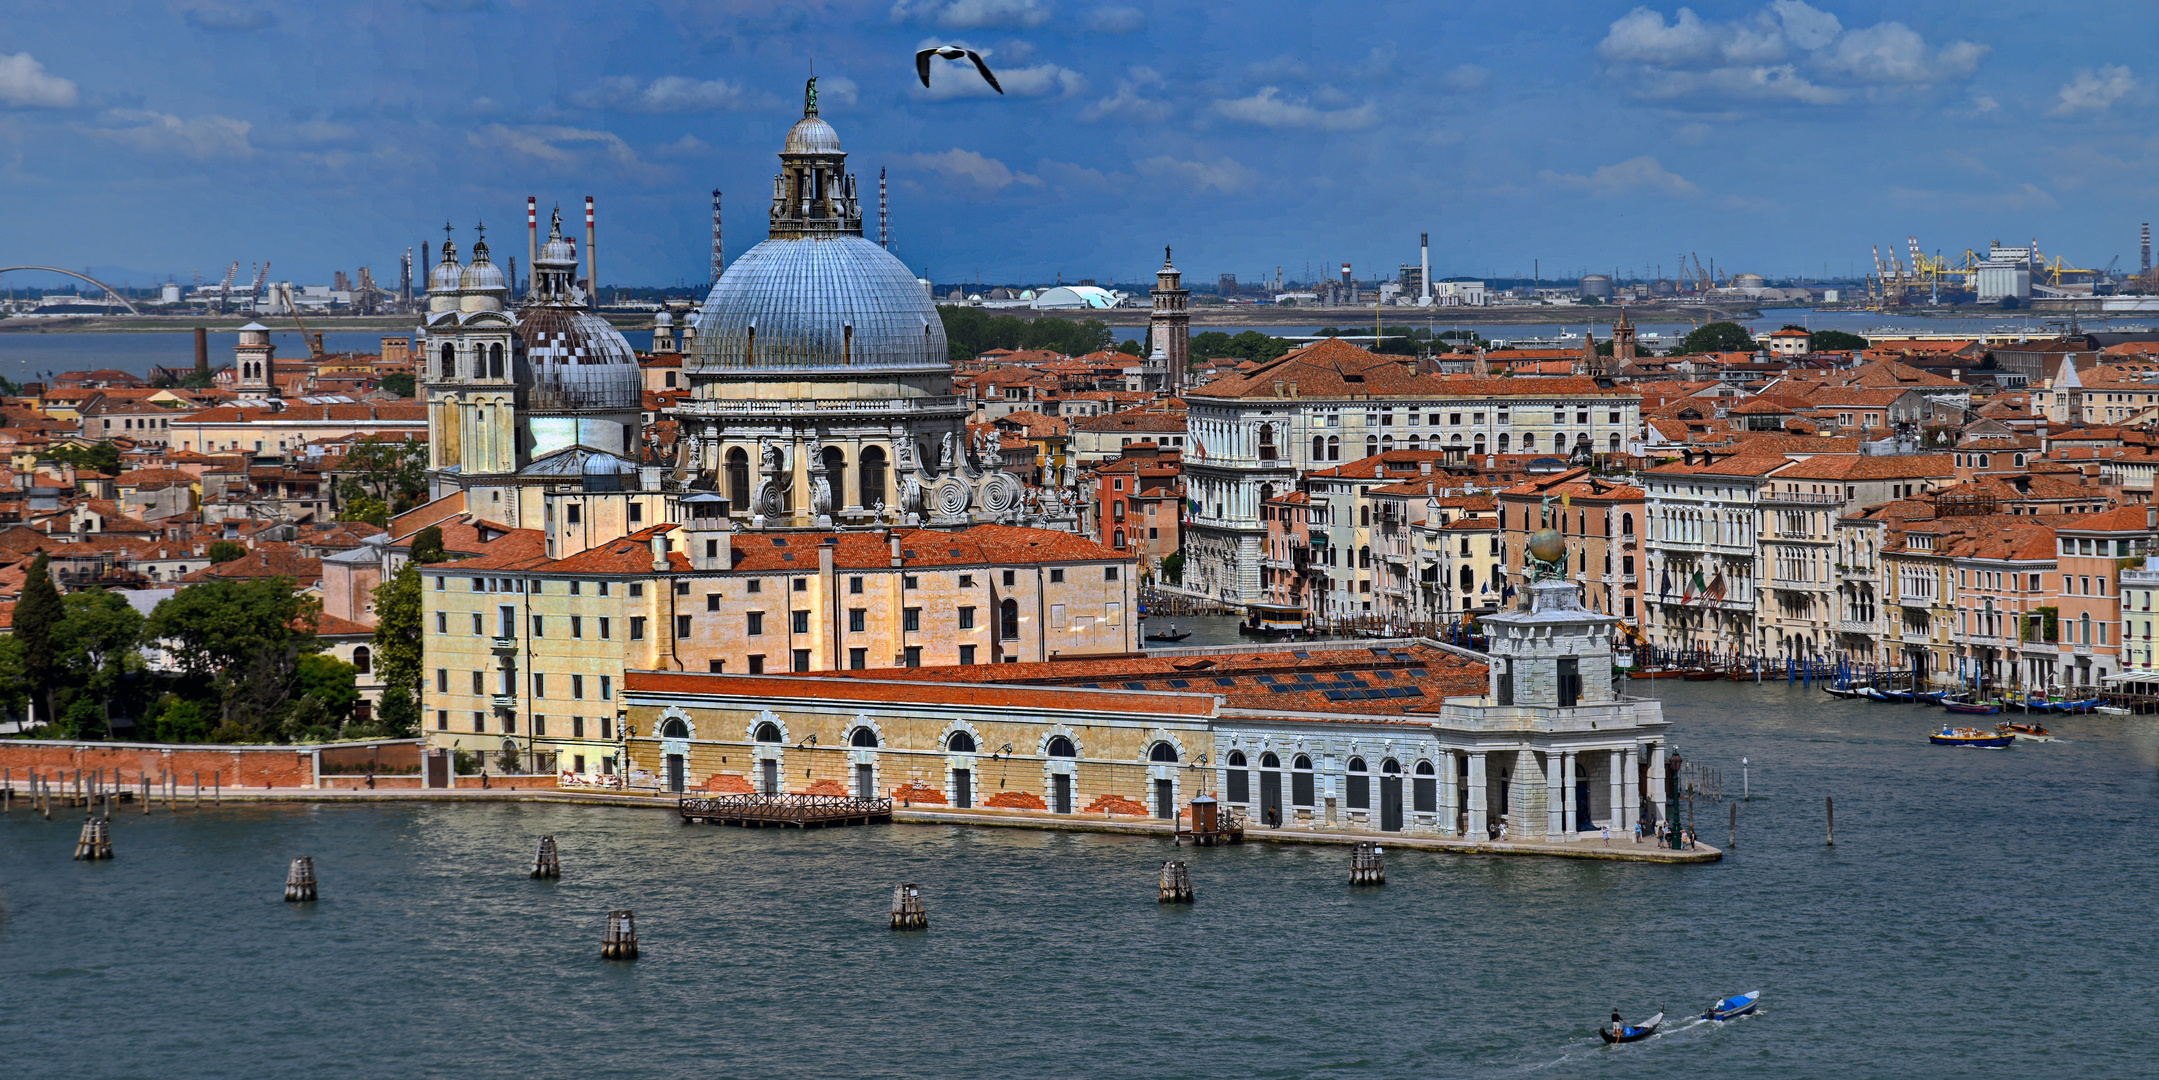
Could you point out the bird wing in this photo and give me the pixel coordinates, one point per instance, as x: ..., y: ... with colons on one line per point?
x: 985, y: 70
x: 922, y: 65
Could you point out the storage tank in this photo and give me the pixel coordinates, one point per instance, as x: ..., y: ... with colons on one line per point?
x: 1597, y: 285
x: 1749, y: 281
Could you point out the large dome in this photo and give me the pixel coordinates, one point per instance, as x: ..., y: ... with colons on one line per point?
x: 575, y: 361
x: 832, y: 302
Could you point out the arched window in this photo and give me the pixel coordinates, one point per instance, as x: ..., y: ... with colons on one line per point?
x: 767, y: 732
x: 1118, y: 543
x: 1424, y: 768
x: 1504, y: 439
x: 1356, y: 764
x: 1371, y: 445
x: 1529, y: 442
x: 1266, y: 442
x: 1416, y: 442
x: 1390, y: 766
x: 863, y: 737
x: 1008, y: 620
x: 1302, y: 761
x: 1163, y: 752
x: 674, y: 728
x: 960, y: 743
x: 494, y: 361
x: 836, y: 474
x: 1059, y: 746
x: 1334, y: 448
x: 1480, y: 443
x: 738, y: 479
x: 1364, y: 516
x: 1236, y: 759
x: 872, y: 476
x: 1386, y: 443
x: 449, y: 361
x: 1319, y: 448
x: 1615, y: 443
x: 1469, y: 581
x: 1364, y: 558
x: 363, y: 661
x: 1269, y: 761
x: 1626, y: 524
x: 1116, y: 509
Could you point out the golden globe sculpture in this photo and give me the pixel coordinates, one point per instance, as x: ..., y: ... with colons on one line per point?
x: 1547, y: 555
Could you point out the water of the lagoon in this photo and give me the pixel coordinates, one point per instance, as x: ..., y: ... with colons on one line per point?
x: 1983, y: 914
x: 26, y: 355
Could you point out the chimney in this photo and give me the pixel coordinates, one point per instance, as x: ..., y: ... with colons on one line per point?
x: 1424, y: 467
x: 660, y: 564
x: 202, y: 350
x: 895, y: 540
x: 592, y: 257
x: 532, y: 238
x: 1424, y: 259
x: 2151, y: 513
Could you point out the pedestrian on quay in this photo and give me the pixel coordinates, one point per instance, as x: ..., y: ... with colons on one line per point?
x: 1607, y: 830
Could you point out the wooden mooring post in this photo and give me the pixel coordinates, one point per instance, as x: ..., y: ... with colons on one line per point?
x: 547, y: 863
x: 1733, y: 843
x: 1176, y: 883
x: 907, y: 910
x: 1367, y: 864
x: 300, y: 880
x: 96, y: 841
x: 620, y: 940
x: 1829, y: 803
x: 144, y: 778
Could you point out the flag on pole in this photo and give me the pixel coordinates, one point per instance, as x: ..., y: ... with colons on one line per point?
x: 1715, y: 591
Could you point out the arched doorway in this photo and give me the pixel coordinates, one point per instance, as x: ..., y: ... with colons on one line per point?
x: 738, y: 480
x: 767, y: 737
x: 1390, y: 796
x: 1270, y: 789
x: 835, y: 466
x: 872, y: 477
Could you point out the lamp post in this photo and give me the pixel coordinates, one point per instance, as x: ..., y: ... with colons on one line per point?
x: 1746, y: 793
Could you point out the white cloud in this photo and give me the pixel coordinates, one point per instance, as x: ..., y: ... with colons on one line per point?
x: 1115, y: 20
x: 985, y: 174
x: 201, y: 138
x: 1466, y: 77
x: 1268, y: 109
x: 669, y: 94
x: 2095, y: 91
x: 1634, y: 174
x: 1692, y: 134
x: 230, y: 18
x: 1789, y: 51
x: 558, y: 145
x: 1222, y: 174
x: 838, y: 88
x: 24, y: 83
x: 1131, y: 102
x: 972, y: 14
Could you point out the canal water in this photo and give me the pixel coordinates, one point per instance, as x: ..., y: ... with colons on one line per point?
x: 1983, y: 913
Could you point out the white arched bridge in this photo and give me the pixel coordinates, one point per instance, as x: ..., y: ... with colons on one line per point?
x: 109, y: 290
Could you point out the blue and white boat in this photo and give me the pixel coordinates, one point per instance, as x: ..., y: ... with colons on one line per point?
x: 1732, y: 1007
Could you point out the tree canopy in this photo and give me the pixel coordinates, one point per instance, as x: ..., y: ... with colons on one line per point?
x: 383, y: 477
x: 218, y: 625
x: 402, y: 384
x: 1249, y: 345
x: 103, y: 457
x: 1836, y: 341
x: 970, y: 332
x: 1716, y: 337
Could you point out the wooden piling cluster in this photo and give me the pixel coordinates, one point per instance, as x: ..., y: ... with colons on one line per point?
x: 1176, y: 887
x: 620, y: 940
x: 300, y: 880
x: 907, y: 910
x: 96, y: 841
x: 1367, y: 864
x: 547, y: 863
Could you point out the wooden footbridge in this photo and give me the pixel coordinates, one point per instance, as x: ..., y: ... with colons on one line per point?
x: 786, y: 811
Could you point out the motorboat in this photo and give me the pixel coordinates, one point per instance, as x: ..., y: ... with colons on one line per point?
x: 1735, y: 1006
x: 1991, y: 740
x: 1657, y: 673
x: 1626, y: 1033
x: 2030, y: 731
x: 1703, y: 675
x: 1976, y: 708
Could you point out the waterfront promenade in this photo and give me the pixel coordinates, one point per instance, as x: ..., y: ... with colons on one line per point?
x: 1590, y: 846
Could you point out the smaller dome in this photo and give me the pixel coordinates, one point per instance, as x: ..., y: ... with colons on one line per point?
x: 811, y: 135
x: 447, y: 276
x: 558, y: 251
x: 482, y: 283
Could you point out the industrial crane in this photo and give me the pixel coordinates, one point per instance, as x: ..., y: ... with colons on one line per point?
x: 224, y: 292
x: 1701, y: 277
x: 313, y: 340
x: 255, y: 295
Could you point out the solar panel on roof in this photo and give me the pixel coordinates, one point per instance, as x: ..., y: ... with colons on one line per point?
x: 1383, y: 674
x: 1135, y: 686
x: 955, y: 553
x: 1267, y: 679
x: 1381, y: 651
x: 1418, y: 672
x: 1302, y: 655
x: 1410, y: 691
x: 787, y: 556
x: 779, y: 541
x: 1285, y: 688
x: 1180, y: 683
x: 1225, y: 682
x: 1336, y: 695
x: 1306, y: 676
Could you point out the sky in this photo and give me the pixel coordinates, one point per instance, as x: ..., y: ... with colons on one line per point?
x: 147, y: 138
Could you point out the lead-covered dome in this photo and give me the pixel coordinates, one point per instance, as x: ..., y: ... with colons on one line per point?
x: 834, y: 301
x: 812, y: 135
x: 575, y: 361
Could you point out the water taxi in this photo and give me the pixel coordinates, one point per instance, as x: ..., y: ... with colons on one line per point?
x: 1949, y: 736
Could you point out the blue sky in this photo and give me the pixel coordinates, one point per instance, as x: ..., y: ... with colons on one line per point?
x: 1784, y: 137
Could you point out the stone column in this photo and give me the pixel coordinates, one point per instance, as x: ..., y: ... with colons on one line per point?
x: 1450, y: 793
x: 1476, y: 793
x: 1567, y: 825
x: 1614, y: 759
x: 1656, y: 778
x: 1630, y: 786
x: 1555, y: 825
x: 1525, y: 796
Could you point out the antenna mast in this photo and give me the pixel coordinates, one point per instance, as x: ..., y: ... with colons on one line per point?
x: 884, y: 213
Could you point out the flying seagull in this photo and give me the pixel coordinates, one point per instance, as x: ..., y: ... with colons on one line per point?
x: 953, y: 52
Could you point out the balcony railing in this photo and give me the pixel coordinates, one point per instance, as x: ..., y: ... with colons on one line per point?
x: 505, y: 645
x: 1815, y: 498
x: 505, y: 701
x: 1856, y: 626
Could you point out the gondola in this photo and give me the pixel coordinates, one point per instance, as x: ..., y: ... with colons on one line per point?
x: 1734, y: 1007
x: 1976, y: 708
x: 1930, y: 697
x: 1625, y: 1033
x: 1169, y: 637
x: 1845, y: 691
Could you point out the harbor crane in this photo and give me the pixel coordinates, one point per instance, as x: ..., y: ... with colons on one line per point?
x: 292, y: 307
x: 255, y: 295
x: 224, y: 291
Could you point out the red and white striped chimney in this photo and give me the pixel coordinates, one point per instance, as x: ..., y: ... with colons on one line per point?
x: 592, y: 258
x: 532, y: 239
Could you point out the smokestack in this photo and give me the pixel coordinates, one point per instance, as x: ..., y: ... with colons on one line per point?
x: 592, y: 258
x: 1424, y: 260
x: 1345, y: 273
x: 884, y: 213
x: 202, y: 350
x: 532, y: 238
x: 720, y: 251
x: 2146, y: 237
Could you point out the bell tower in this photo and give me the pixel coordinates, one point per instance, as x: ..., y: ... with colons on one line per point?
x: 1169, y: 328
x: 468, y: 363
x: 255, y: 364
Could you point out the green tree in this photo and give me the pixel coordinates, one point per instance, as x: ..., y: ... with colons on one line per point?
x: 330, y: 681
x: 38, y: 613
x: 1131, y: 347
x: 366, y: 508
x: 393, y: 474
x: 397, y: 715
x: 95, y: 645
x: 427, y: 548
x: 103, y: 457
x: 216, y: 626
x: 176, y: 719
x: 1173, y: 568
x: 1250, y: 345
x: 223, y: 551
x: 1716, y: 337
x: 401, y: 384
x: 399, y: 653
x: 1836, y: 341
x: 970, y: 332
